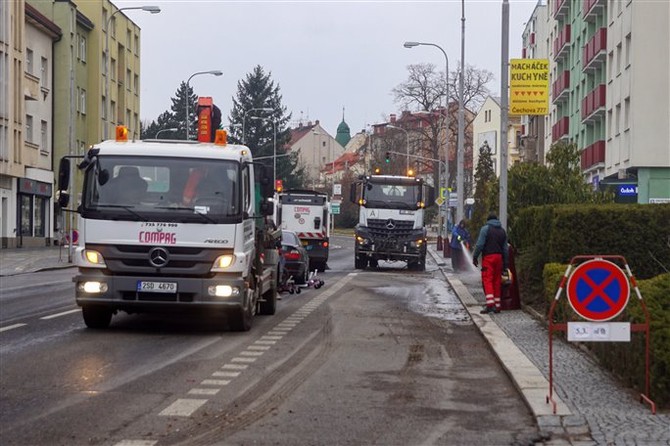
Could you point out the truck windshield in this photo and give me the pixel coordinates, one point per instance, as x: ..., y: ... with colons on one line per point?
x: 393, y: 196
x: 161, y: 189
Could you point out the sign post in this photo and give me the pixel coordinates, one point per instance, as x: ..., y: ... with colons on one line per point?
x: 598, y: 290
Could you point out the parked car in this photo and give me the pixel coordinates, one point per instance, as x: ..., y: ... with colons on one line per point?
x: 295, y: 257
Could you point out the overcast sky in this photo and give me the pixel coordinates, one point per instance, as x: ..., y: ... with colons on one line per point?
x: 323, y: 55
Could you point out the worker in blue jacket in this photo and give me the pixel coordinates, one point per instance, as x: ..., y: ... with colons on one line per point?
x: 460, y: 240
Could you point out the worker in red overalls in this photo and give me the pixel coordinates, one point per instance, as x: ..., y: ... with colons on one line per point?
x: 492, y: 245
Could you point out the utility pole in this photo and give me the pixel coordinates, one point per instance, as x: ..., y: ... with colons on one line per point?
x: 504, y: 112
x: 461, y: 126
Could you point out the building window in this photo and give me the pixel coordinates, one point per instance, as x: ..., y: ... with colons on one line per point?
x: 104, y: 19
x: 127, y: 123
x: 112, y: 111
x: 29, y: 129
x: 82, y: 101
x: 129, y: 39
x: 128, y: 78
x: 609, y: 124
x: 137, y: 44
x: 39, y: 214
x: 29, y: 61
x: 626, y: 114
x: 618, y: 59
x: 26, y: 215
x: 617, y: 120
x: 44, y: 73
x: 113, y: 69
x: 628, y: 44
x: 113, y: 25
x: 136, y: 84
x: 44, y: 140
x: 82, y: 48
x: 610, y: 65
x: 104, y: 64
x: 103, y: 108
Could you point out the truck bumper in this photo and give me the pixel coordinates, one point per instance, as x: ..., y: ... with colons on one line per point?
x: 121, y: 292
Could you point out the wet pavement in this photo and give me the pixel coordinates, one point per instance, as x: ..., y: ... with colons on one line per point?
x: 593, y: 409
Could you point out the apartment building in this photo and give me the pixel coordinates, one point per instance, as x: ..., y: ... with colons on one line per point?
x: 26, y: 125
x: 316, y: 148
x: 610, y: 92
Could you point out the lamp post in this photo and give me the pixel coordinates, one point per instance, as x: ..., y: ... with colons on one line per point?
x: 188, y: 98
x: 460, y: 186
x: 151, y: 9
x: 407, y: 135
x: 173, y: 129
x: 274, y: 146
x: 446, y: 120
x: 244, y: 119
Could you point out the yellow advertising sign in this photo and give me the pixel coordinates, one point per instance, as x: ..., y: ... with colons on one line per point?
x: 529, y: 87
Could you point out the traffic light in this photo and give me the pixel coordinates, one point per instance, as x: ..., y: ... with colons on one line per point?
x: 388, y: 157
x: 377, y: 170
x: 279, y: 185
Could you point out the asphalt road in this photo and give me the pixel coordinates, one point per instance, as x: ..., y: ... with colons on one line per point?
x: 383, y: 356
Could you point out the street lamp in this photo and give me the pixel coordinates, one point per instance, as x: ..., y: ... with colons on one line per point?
x: 188, y: 98
x: 173, y: 129
x: 244, y: 119
x: 447, y: 132
x: 274, y: 146
x: 407, y: 135
x: 151, y: 9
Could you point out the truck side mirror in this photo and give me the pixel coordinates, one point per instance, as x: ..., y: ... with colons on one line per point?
x: 352, y: 193
x: 64, y: 174
x: 264, y: 180
x: 63, y: 198
x: 267, y: 208
x: 430, y: 196
x: 317, y: 222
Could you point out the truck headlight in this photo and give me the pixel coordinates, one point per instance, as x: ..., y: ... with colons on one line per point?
x: 362, y: 240
x: 93, y: 258
x: 222, y: 262
x: 92, y: 287
x: 223, y: 290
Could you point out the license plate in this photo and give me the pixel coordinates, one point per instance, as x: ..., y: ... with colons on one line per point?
x: 308, y: 247
x: 156, y: 287
x: 304, y: 242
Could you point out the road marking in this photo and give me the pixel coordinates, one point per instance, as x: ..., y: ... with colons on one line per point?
x: 265, y: 342
x: 234, y: 366
x: 203, y: 391
x: 64, y: 313
x: 258, y: 347
x: 226, y: 374
x: 11, y: 327
x: 136, y: 443
x: 240, y: 359
x: 182, y: 407
x: 215, y: 382
x: 271, y: 338
x: 247, y: 353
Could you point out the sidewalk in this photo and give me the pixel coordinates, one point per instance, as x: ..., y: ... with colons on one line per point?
x: 27, y: 260
x: 593, y: 408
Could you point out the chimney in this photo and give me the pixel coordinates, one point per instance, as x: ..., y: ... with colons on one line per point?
x: 392, y: 118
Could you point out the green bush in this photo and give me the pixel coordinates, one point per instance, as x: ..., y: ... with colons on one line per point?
x: 626, y: 360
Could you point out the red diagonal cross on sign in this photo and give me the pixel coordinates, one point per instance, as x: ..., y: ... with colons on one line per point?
x: 598, y: 290
x: 598, y: 301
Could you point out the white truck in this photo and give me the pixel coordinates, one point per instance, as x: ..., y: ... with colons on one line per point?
x: 174, y: 226
x: 307, y: 213
x: 391, y: 220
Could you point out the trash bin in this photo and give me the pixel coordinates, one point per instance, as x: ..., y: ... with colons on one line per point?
x: 510, y: 299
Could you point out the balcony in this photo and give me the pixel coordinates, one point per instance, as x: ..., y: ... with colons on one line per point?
x: 561, y: 129
x: 562, y: 43
x: 593, y: 155
x: 560, y: 89
x: 593, y: 105
x: 31, y: 87
x: 560, y: 8
x: 591, y: 9
x: 595, y: 51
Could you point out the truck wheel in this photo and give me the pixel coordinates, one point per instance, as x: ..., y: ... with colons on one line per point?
x: 360, y: 263
x: 374, y: 263
x: 96, y: 317
x: 244, y: 316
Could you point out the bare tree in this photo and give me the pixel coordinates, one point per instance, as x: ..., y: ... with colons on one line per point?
x: 424, y: 91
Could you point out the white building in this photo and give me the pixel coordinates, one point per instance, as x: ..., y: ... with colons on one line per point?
x: 486, y: 132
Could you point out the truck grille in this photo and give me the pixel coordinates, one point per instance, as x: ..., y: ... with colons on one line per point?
x: 135, y: 260
x: 391, y: 229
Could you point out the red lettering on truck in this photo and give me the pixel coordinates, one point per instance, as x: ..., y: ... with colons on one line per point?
x: 158, y: 237
x: 302, y: 209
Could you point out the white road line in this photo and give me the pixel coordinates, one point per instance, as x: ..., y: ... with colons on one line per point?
x: 64, y: 313
x: 182, y: 407
x: 215, y: 382
x: 241, y: 359
x: 276, y: 333
x: 271, y: 338
x: 280, y: 329
x: 234, y: 366
x: 258, y: 347
x: 247, y: 353
x: 136, y: 443
x: 265, y: 342
x: 11, y: 327
x: 203, y: 391
x: 226, y: 374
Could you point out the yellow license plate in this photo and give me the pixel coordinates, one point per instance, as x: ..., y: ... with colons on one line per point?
x: 304, y: 242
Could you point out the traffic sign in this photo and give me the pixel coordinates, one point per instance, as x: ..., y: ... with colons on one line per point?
x: 439, y: 201
x: 598, y: 290
x: 335, y: 208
